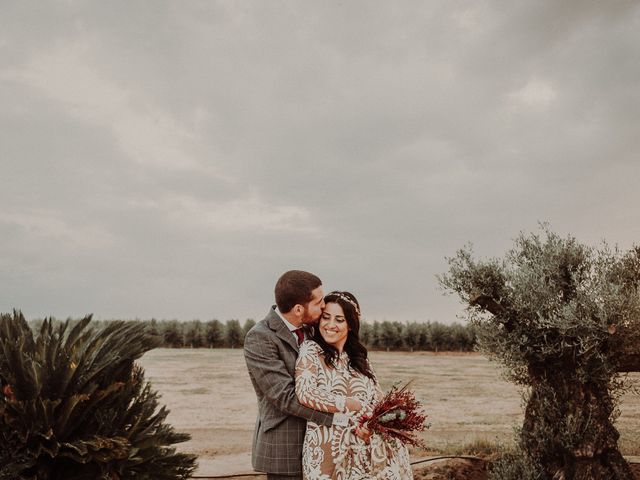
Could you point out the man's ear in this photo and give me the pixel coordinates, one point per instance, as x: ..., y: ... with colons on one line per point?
x: 298, y: 309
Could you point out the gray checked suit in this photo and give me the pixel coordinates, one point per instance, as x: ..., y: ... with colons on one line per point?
x: 271, y: 350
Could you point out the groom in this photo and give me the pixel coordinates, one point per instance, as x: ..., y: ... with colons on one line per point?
x: 271, y: 349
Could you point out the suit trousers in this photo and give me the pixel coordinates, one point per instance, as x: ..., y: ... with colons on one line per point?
x: 275, y: 476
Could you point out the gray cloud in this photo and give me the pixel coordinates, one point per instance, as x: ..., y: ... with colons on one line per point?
x: 171, y: 160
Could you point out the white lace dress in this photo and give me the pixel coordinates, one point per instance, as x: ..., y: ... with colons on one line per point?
x: 336, y: 452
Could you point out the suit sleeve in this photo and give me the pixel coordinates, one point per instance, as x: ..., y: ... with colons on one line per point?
x: 270, y: 374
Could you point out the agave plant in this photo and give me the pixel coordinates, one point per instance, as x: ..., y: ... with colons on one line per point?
x: 74, y: 405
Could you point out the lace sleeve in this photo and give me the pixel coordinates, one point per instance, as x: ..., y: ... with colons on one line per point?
x: 379, y: 393
x: 307, y: 390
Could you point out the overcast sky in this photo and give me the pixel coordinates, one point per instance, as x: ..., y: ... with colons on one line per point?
x: 172, y: 159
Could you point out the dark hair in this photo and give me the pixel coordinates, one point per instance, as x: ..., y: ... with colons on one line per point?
x: 355, y: 350
x: 295, y: 287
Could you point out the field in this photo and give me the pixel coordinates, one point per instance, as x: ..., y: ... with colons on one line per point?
x: 210, y: 397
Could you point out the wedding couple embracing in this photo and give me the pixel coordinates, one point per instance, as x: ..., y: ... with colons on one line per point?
x: 314, y: 382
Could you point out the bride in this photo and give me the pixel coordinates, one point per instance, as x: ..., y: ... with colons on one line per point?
x: 333, y: 374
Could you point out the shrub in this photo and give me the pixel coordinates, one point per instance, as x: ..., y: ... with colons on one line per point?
x: 515, y: 465
x: 74, y: 405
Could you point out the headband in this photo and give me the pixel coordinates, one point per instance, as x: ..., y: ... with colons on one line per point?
x: 342, y: 296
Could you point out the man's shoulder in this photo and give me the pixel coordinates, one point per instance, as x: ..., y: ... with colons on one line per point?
x: 262, y: 328
x: 259, y: 328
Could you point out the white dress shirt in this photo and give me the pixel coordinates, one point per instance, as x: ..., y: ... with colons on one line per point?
x: 289, y: 325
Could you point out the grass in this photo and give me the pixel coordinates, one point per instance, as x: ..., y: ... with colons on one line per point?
x: 471, y: 408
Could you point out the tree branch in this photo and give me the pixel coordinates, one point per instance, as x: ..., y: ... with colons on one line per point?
x: 487, y: 302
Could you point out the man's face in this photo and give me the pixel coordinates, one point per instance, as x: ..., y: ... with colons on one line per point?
x: 314, y: 308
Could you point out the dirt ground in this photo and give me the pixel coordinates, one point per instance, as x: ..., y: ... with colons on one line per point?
x: 454, y: 469
x: 211, y: 398
x: 459, y: 469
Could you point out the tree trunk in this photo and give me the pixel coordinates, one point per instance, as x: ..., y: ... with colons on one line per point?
x: 571, y: 434
x: 629, y: 363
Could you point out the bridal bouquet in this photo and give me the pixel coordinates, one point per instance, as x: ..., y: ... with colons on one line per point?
x: 397, y: 415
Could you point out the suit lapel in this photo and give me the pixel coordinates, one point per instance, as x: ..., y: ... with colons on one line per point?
x: 277, y: 325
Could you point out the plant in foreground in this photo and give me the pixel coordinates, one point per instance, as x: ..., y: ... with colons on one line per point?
x: 74, y: 405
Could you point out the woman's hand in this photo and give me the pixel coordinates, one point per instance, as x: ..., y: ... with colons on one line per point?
x: 352, y: 404
x: 363, y: 433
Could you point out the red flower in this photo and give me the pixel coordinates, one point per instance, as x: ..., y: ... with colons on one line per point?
x: 397, y: 415
x: 8, y: 392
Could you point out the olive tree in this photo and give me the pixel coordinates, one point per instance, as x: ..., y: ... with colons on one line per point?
x: 563, y: 319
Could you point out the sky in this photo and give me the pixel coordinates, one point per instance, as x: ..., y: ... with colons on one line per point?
x: 172, y: 159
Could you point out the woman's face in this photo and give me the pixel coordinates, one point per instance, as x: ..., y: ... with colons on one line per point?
x: 333, y: 326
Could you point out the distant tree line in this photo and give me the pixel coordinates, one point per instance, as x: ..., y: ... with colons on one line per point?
x: 414, y: 336
x: 429, y: 336
x: 198, y: 334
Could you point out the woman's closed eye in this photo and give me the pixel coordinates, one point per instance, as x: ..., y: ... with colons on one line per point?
x: 326, y: 316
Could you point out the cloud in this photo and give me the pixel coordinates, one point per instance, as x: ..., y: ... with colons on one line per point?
x: 42, y: 226
x: 199, y: 150
x: 66, y: 74
x: 536, y: 94
x: 246, y: 214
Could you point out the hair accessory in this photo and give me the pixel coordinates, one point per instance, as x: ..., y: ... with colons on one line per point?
x: 342, y: 296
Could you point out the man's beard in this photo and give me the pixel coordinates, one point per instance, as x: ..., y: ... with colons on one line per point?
x: 309, y: 320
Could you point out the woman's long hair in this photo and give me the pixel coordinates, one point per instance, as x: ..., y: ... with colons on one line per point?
x: 355, y: 350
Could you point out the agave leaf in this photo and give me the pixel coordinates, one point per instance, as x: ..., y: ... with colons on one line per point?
x: 75, y: 332
x: 20, y: 375
x: 68, y: 361
x: 71, y: 381
x: 66, y: 410
x: 81, y: 407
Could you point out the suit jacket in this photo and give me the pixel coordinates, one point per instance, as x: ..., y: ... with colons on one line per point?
x: 271, y: 350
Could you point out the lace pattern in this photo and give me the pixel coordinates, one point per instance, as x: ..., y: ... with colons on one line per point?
x: 336, y: 452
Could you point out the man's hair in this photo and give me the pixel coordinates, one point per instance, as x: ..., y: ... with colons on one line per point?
x: 295, y: 287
